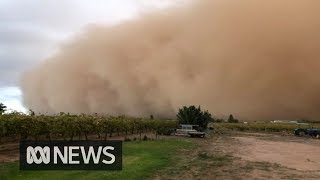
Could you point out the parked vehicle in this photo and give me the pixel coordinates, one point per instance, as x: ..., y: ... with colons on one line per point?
x: 311, y: 132
x: 189, y: 130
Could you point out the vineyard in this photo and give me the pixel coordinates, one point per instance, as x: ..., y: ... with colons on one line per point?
x: 69, y: 127
x: 18, y: 126
x: 260, y: 127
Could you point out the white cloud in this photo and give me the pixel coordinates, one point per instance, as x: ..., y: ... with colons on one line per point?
x: 11, y: 97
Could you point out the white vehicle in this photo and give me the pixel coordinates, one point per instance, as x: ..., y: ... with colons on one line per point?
x: 189, y: 130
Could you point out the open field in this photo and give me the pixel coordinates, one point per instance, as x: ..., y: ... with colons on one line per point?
x: 228, y: 155
x: 261, y: 127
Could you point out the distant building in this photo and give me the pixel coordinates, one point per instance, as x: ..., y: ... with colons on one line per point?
x: 284, y: 121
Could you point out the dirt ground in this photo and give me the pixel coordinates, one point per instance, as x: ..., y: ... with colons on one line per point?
x: 249, y: 156
x: 9, y: 152
x: 292, y: 152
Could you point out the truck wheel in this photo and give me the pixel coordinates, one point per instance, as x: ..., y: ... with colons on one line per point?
x: 301, y: 133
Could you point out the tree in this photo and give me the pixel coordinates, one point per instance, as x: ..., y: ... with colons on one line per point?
x: 193, y: 115
x: 2, y: 108
x: 31, y: 113
x: 232, y: 120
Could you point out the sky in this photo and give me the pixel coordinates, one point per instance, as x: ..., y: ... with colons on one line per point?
x: 32, y: 30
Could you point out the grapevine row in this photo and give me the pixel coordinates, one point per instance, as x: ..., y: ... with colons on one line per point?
x: 70, y: 127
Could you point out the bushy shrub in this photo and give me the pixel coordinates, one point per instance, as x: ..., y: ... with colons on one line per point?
x: 194, y: 116
x: 231, y: 119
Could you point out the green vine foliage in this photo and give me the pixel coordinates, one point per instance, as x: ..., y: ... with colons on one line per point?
x: 64, y: 126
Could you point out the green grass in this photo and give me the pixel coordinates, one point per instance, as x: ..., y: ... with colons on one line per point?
x: 140, y: 161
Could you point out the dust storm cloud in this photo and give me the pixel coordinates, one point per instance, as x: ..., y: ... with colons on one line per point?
x: 258, y: 60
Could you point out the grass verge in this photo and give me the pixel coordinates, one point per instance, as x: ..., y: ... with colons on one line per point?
x: 140, y: 161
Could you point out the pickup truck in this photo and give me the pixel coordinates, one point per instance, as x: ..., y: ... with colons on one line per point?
x: 189, y: 130
x: 311, y: 132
